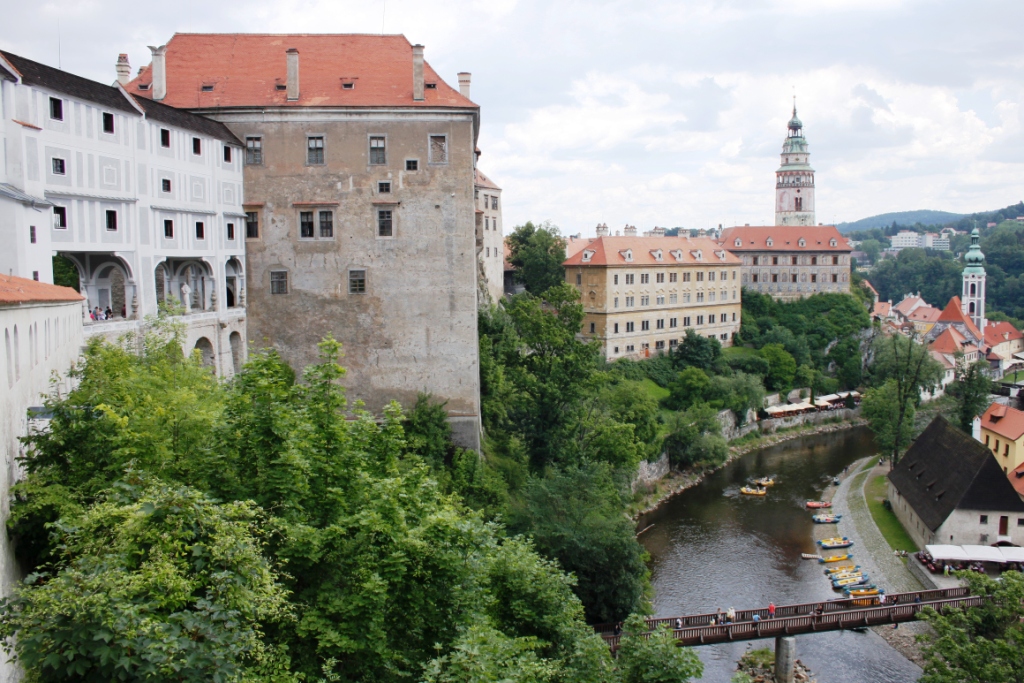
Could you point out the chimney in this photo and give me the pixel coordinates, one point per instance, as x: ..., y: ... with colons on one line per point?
x: 602, y: 230
x: 417, y: 73
x: 124, y: 69
x: 159, y: 87
x: 464, y: 77
x: 292, y: 56
x: 629, y: 231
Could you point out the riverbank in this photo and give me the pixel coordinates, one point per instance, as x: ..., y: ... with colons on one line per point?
x: 678, y: 481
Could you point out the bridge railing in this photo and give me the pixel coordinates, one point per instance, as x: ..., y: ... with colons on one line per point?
x: 826, y: 606
x: 808, y: 623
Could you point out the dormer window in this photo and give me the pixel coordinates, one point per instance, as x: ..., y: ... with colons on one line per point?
x: 656, y: 253
x: 720, y: 254
x: 677, y: 254
x: 697, y: 254
x: 587, y: 255
x: 832, y: 243
x: 802, y: 242
x: 769, y: 242
x: 738, y: 242
x: 207, y: 87
x: 430, y: 86
x: 627, y: 255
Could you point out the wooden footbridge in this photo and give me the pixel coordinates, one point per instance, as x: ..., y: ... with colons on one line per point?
x: 810, y: 617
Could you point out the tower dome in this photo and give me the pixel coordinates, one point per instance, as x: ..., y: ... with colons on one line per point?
x: 973, y: 299
x: 795, y: 124
x: 974, y: 257
x: 794, y: 181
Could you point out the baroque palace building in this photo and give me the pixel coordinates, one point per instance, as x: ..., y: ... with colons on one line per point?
x: 360, y: 176
x: 641, y: 294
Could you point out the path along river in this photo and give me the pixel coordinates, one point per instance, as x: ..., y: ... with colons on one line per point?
x: 712, y: 547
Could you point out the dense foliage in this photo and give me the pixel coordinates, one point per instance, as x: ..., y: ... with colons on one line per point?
x: 537, y: 252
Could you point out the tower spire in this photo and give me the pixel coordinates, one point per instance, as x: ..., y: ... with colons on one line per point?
x: 794, y: 181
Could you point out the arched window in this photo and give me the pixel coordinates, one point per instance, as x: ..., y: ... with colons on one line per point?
x: 970, y: 308
x: 973, y: 290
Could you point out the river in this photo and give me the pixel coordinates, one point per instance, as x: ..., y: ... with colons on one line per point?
x: 712, y: 547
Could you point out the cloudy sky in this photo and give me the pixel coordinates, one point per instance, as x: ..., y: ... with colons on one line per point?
x: 667, y: 112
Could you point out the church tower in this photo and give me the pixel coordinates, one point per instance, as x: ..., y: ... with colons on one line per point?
x: 973, y: 299
x: 794, y: 181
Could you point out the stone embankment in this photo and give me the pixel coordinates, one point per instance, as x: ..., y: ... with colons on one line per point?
x: 675, y: 481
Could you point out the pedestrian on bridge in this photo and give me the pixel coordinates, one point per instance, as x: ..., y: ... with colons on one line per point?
x: 771, y: 610
x: 730, y: 616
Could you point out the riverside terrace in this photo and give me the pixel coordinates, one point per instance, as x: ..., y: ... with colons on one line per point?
x: 790, y: 620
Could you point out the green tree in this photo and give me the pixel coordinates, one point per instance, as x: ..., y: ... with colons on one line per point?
x: 872, y: 248
x: 655, y: 657
x: 156, y: 583
x: 695, y: 439
x: 890, y: 417
x: 979, y: 644
x: 697, y: 351
x: 781, y: 367
x: 691, y: 385
x: 537, y: 252
x: 970, y: 388
x: 65, y: 273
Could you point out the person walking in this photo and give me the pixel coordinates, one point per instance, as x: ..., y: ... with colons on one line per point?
x: 771, y: 610
x: 731, y: 615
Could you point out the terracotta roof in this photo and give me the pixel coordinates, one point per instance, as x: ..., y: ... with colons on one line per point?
x: 612, y: 251
x: 34, y: 73
x: 484, y: 182
x: 908, y: 304
x: 1004, y: 420
x: 1016, y: 478
x: 867, y: 283
x: 19, y: 290
x: 945, y: 470
x: 784, y: 238
x: 245, y: 69
x: 882, y: 309
x: 925, y: 314
x: 950, y: 341
x: 997, y: 333
x: 574, y: 245
x: 942, y: 359
x: 953, y: 313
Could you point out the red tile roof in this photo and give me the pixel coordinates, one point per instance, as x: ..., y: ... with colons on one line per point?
x: 484, y: 182
x: 953, y: 313
x: 904, y: 307
x: 1003, y: 420
x: 882, y: 309
x: 870, y: 287
x: 245, y: 69
x: 611, y: 251
x: 784, y: 238
x: 950, y: 341
x: 924, y: 314
x: 999, y: 332
x: 574, y: 245
x: 19, y: 290
x: 1017, y: 480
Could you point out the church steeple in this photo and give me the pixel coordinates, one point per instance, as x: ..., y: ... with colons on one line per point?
x: 974, y: 283
x: 794, y: 181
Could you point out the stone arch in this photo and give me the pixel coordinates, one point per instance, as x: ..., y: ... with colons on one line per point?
x: 205, y: 348
x: 237, y: 351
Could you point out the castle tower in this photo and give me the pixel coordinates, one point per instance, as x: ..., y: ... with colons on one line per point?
x: 973, y: 298
x: 794, y: 181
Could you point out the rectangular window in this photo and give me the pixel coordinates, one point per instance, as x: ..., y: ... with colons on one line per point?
x: 686, y: 277
x: 60, y: 217
x: 108, y: 123
x: 629, y: 279
x: 616, y: 349
x: 700, y: 297
x: 673, y: 277
x: 35, y: 275
x: 629, y: 302
x: 673, y: 298
x: 660, y: 324
x: 659, y: 345
x: 494, y: 203
x: 111, y: 220
x: 629, y: 348
x: 753, y: 278
x: 686, y: 298
x: 165, y: 184
x: 231, y: 231
x: 711, y: 319
x: 615, y: 279
x: 616, y: 302
x: 673, y: 322
x: 488, y: 252
x: 252, y: 225
x: 315, y: 150
x: 385, y: 223
x: 755, y: 260
x: 672, y: 343
x: 794, y: 261
x: 356, y: 281
x: 593, y: 328
x: 326, y: 224
x: 775, y: 260
x: 645, y: 278
x: 835, y: 260
x: 700, y: 276
x: 378, y: 152
x: 660, y: 300
x: 734, y: 317
x: 700, y: 320
x: 645, y: 325
x: 629, y: 327
x: 579, y: 278
x: 616, y: 328
x: 711, y: 276
x: 56, y: 109
x: 775, y: 277
x: 686, y: 321
x: 814, y: 277
x: 58, y: 166
x: 278, y: 282
x: 227, y: 154
x: 165, y: 137
x: 835, y: 277
x: 659, y: 278
x: 384, y: 187
x: 984, y: 519
x: 253, y: 150
x: 169, y: 229
x: 306, y: 224
x: 724, y: 336
x: 200, y: 230
x: 439, y: 149
x: 645, y: 300
x: 197, y: 146
x: 32, y: 234
x: 412, y: 164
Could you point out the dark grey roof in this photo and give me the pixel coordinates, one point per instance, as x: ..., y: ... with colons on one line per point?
x: 945, y: 470
x: 34, y: 73
x: 180, y: 118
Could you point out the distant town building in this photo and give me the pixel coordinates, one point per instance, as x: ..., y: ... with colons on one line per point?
x: 794, y: 181
x: 359, y: 181
x: 790, y: 262
x: 641, y: 294
x: 950, y: 489
x: 144, y: 200
x: 41, y: 326
x: 906, y: 239
x: 490, y: 242
x: 1002, y: 431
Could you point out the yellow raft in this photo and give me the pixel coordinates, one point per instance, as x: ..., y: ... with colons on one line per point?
x: 836, y: 558
x: 747, y: 491
x: 765, y: 481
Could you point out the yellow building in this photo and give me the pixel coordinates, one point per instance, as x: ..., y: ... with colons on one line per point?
x: 1002, y: 431
x: 641, y: 294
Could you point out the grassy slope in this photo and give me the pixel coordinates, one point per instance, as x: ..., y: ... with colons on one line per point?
x: 888, y: 524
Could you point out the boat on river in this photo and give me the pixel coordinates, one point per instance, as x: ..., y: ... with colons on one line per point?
x: 765, y: 481
x: 863, y: 591
x: 810, y: 556
x: 836, y: 558
x: 826, y: 519
x: 846, y: 575
x: 857, y: 580
x: 836, y: 542
x: 840, y: 570
x: 818, y: 504
x: 748, y: 491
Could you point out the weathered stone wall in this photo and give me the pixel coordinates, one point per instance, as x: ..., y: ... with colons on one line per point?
x: 774, y: 424
x: 414, y: 329
x: 731, y: 430
x: 650, y: 473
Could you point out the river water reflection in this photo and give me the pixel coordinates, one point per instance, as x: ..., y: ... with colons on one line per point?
x: 712, y: 547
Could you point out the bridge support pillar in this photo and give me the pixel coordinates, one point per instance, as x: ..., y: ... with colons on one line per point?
x: 785, y: 659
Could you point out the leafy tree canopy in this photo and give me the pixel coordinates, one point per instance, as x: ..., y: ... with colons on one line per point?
x: 537, y: 252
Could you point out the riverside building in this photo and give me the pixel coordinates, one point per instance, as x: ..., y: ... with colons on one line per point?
x: 641, y: 294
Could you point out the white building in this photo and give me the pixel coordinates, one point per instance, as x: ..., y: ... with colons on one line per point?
x: 905, y: 239
x: 144, y: 199
x: 491, y: 242
x: 42, y: 330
